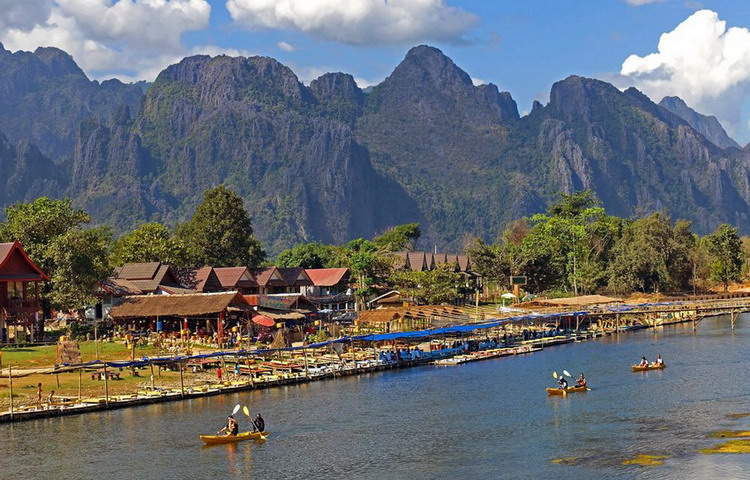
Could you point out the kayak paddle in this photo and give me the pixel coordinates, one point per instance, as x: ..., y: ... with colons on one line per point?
x: 554, y: 375
x: 236, y: 409
x: 246, y: 411
x: 567, y: 373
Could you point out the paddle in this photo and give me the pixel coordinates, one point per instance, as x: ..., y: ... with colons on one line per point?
x: 567, y: 374
x: 246, y: 411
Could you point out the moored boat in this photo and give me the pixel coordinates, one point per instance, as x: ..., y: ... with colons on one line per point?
x: 559, y: 391
x: 219, y: 439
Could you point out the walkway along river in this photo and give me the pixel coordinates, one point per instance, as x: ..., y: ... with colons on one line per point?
x: 487, y: 419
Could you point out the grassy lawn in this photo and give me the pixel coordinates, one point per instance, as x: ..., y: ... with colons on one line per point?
x: 35, y: 357
x: 25, y: 388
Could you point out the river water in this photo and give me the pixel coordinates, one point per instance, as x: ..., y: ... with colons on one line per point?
x: 489, y: 419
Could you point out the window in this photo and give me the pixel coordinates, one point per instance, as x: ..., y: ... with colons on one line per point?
x: 15, y: 290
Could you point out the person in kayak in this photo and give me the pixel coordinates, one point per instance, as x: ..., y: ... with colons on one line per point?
x: 231, y: 428
x: 659, y: 361
x: 644, y: 362
x: 581, y: 382
x: 259, y: 424
x: 562, y: 382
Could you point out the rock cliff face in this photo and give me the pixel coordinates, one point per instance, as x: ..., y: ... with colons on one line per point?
x: 706, y: 125
x: 26, y: 174
x: 44, y: 96
x: 329, y: 162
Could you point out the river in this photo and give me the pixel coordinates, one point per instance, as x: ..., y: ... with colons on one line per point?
x: 489, y: 419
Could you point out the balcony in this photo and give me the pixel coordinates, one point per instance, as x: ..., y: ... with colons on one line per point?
x: 20, y: 305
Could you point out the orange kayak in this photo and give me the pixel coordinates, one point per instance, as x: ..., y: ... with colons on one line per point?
x: 559, y: 391
x: 639, y: 368
x: 219, y: 439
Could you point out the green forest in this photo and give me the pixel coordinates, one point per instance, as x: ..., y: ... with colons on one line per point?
x: 574, y: 248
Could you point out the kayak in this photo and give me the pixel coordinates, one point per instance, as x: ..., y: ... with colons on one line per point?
x: 558, y: 391
x: 219, y: 439
x: 638, y: 368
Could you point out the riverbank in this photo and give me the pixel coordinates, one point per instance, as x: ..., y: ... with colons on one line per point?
x: 167, y: 385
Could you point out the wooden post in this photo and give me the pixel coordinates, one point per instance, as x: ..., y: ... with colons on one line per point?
x: 304, y: 353
x: 182, y: 381
x: 10, y: 381
x: 732, y: 316
x: 57, y: 379
x: 79, y: 384
x: 106, y: 385
x: 220, y: 329
x: 96, y: 339
x: 152, y: 375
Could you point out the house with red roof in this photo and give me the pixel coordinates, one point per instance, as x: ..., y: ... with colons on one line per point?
x: 19, y: 286
x: 330, y: 289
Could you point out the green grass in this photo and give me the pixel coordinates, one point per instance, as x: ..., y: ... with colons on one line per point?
x: 34, y: 357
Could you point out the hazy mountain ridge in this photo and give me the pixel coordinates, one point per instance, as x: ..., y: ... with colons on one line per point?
x: 330, y: 162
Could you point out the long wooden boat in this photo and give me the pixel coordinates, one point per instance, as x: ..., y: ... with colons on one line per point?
x: 560, y: 391
x: 219, y: 439
x: 653, y: 366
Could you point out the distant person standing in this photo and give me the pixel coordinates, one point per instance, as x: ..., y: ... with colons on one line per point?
x: 219, y: 373
x: 39, y: 395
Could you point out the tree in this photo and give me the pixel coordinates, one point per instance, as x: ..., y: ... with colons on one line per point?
x: 307, y: 255
x: 401, y: 237
x: 38, y: 225
x: 487, y: 260
x: 652, y: 256
x: 431, y: 287
x: 725, y: 249
x: 150, y: 242
x: 220, y: 233
x: 81, y: 263
x: 574, y: 204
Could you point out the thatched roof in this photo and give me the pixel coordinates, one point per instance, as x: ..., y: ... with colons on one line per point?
x: 175, y: 305
x: 577, y: 301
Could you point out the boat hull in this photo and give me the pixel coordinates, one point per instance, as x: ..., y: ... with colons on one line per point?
x: 638, y: 368
x: 558, y: 391
x: 220, y: 439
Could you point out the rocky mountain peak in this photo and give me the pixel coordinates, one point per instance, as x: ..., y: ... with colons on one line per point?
x: 336, y: 86
x: 58, y: 62
x: 428, y: 65
x: 706, y: 125
x: 223, y: 78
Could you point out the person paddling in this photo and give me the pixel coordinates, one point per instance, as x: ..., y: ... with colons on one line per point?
x: 259, y: 424
x: 581, y: 382
x: 644, y: 362
x: 562, y: 382
x: 231, y: 428
x: 659, y: 361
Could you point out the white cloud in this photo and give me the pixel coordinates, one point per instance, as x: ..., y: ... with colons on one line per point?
x: 701, y: 61
x: 135, y: 36
x: 478, y: 81
x: 358, y: 22
x: 287, y: 47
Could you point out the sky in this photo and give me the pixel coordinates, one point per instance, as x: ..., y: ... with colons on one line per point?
x: 696, y: 49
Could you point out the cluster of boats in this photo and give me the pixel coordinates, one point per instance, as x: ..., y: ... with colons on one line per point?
x: 642, y: 367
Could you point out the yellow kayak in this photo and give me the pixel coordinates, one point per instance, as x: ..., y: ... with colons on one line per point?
x: 639, y: 368
x: 219, y: 439
x: 559, y: 391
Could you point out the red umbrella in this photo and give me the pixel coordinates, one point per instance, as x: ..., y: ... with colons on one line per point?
x: 264, y: 321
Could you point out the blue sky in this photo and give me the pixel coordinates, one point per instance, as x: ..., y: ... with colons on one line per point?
x: 523, y: 46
